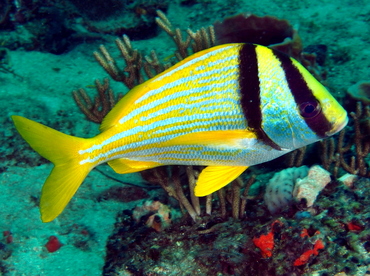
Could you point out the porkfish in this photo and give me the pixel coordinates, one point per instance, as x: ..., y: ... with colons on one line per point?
x: 228, y: 107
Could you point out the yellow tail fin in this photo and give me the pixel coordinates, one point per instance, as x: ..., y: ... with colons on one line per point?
x: 62, y: 150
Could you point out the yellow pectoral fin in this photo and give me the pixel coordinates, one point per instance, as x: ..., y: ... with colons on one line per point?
x: 214, y: 178
x: 228, y: 138
x: 123, y: 165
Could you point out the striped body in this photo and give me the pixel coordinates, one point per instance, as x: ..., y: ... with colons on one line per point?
x: 200, y: 95
x: 204, y: 94
x: 228, y: 107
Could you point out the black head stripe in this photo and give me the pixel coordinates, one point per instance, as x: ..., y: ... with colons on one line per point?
x: 250, y: 92
x: 250, y: 86
x: 302, y: 94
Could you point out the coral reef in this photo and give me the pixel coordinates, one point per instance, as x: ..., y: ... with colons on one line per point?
x: 228, y: 233
x: 331, y: 239
x: 293, y: 185
x: 157, y: 215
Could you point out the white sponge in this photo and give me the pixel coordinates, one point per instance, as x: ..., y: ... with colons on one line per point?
x: 310, y: 186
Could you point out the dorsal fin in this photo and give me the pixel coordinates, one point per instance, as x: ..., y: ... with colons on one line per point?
x: 125, y: 105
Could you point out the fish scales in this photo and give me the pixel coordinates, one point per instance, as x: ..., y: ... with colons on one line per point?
x: 206, y: 100
x: 291, y: 128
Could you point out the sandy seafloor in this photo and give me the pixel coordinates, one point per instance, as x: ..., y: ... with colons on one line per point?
x: 43, y: 92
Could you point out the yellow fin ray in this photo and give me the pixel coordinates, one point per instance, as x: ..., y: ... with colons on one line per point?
x: 62, y: 150
x: 123, y: 165
x: 214, y: 178
x: 59, y: 188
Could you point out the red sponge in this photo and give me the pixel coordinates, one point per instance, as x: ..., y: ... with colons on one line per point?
x: 53, y: 244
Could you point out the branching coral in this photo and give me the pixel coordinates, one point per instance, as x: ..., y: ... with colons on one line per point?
x: 130, y: 75
x: 295, y: 158
x: 103, y: 103
x: 137, y: 69
x: 201, y: 39
x: 170, y: 180
x: 335, y: 155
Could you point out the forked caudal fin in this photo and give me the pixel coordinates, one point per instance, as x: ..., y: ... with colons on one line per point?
x: 62, y: 150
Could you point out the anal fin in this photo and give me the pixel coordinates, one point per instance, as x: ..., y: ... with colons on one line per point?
x: 214, y: 178
x: 124, y: 165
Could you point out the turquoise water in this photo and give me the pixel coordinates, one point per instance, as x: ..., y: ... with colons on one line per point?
x: 106, y: 229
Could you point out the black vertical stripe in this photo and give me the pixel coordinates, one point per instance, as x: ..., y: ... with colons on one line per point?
x: 250, y: 101
x: 302, y: 94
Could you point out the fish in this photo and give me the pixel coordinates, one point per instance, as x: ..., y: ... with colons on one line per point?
x: 228, y: 107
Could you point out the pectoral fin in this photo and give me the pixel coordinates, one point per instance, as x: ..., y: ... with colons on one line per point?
x: 123, y: 165
x: 214, y: 178
x: 223, y: 138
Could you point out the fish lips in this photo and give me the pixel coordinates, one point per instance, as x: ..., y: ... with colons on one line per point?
x: 338, y: 126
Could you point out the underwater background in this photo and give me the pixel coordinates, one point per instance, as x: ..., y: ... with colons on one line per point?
x: 139, y: 224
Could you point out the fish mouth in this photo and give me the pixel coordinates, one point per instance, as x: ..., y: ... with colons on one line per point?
x: 338, y: 126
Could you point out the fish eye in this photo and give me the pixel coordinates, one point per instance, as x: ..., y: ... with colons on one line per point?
x: 309, y: 109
